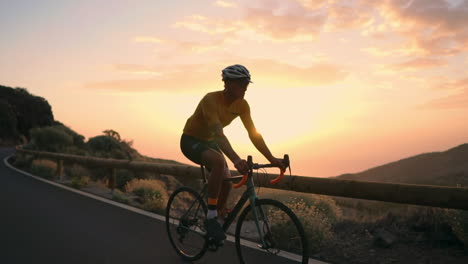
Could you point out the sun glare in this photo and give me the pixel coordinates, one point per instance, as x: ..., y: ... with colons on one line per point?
x: 278, y: 123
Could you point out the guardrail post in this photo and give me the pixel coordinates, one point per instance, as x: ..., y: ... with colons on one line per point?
x: 112, y: 179
x: 59, y: 171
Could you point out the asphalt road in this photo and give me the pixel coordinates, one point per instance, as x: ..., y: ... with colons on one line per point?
x: 41, y: 223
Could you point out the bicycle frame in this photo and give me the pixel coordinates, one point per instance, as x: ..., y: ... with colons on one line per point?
x: 192, y: 219
x: 248, y: 195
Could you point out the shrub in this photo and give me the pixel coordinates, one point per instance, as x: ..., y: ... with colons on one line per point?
x: 458, y: 221
x: 79, y: 182
x: 77, y: 171
x: 74, y: 150
x: 146, y: 183
x: 147, y: 194
x: 120, y: 197
x: 99, y: 173
x: 23, y: 161
x: 323, y: 204
x: 78, y: 140
x: 317, y: 226
x: 123, y: 177
x: 44, y: 168
x: 152, y: 193
x: 8, y: 121
x: 102, y: 144
x: 156, y: 206
x: 109, y: 147
x: 52, y: 138
x: 171, y: 182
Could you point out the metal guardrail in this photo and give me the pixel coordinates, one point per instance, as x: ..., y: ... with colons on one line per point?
x: 426, y: 195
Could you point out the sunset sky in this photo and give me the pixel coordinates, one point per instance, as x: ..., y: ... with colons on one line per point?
x: 341, y: 86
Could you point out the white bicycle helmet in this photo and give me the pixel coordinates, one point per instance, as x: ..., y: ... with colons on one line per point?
x: 236, y: 71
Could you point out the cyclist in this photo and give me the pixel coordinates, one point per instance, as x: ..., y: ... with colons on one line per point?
x: 204, y: 142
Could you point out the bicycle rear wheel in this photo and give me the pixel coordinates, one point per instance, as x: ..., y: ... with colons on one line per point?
x: 283, y: 233
x: 185, y: 216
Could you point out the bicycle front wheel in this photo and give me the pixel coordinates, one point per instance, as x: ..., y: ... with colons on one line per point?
x: 282, y: 233
x: 185, y: 216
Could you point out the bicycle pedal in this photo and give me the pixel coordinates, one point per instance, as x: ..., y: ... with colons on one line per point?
x: 214, y: 245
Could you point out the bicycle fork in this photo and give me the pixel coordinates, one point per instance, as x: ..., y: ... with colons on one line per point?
x: 257, y: 223
x: 258, y: 214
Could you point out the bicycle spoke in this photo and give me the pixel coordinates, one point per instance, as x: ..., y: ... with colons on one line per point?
x: 185, y: 215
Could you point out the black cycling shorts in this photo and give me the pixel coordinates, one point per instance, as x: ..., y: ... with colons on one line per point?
x: 193, y: 148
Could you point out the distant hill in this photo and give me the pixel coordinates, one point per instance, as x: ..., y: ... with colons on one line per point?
x: 440, y: 168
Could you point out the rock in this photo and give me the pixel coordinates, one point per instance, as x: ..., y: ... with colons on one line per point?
x: 383, y: 238
x: 444, y: 238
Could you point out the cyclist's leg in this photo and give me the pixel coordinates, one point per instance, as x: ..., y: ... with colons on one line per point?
x: 208, y: 154
x: 218, y: 196
x: 224, y: 193
x: 215, y: 161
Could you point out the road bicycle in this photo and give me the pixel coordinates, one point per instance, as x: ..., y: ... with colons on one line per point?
x: 267, y: 224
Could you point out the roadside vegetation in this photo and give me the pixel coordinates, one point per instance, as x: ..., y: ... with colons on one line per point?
x: 340, y: 230
x: 144, y: 190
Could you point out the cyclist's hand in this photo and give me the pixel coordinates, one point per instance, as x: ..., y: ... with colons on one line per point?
x: 242, y: 166
x: 278, y: 163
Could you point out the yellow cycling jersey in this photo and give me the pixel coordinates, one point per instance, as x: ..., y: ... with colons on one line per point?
x: 213, y: 110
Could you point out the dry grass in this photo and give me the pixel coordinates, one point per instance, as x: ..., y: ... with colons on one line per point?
x: 152, y: 192
x: 78, y: 171
x: 45, y: 163
x: 156, y: 185
x: 317, y: 225
x: 325, y: 204
x: 317, y: 213
x: 44, y: 168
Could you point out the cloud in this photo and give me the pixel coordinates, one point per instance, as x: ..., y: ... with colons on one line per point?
x: 212, y: 26
x: 454, y: 101
x: 183, y: 46
x: 453, y: 85
x: 136, y: 69
x: 394, y: 50
x: 313, y: 4
x: 225, y: 4
x: 280, y: 20
x: 148, y: 40
x: 277, y: 74
x: 428, y: 27
x: 435, y: 27
x: 284, y: 20
x: 265, y: 73
x: 183, y: 77
x: 418, y: 64
x: 348, y: 15
x: 197, y: 47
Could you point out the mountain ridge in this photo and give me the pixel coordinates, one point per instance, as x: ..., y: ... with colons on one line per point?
x: 448, y: 167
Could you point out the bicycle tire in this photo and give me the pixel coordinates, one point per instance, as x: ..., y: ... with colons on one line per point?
x: 185, y: 216
x: 282, y: 230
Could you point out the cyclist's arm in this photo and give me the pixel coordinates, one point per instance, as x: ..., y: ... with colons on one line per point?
x: 256, y: 138
x: 223, y: 143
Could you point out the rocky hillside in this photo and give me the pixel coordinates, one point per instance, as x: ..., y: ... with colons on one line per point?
x: 21, y: 111
x: 442, y: 168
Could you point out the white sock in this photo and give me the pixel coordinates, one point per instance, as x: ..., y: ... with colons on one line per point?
x: 212, y: 214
